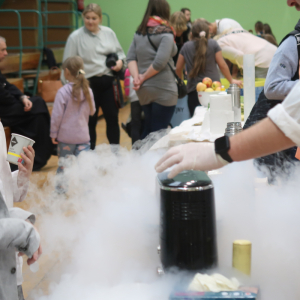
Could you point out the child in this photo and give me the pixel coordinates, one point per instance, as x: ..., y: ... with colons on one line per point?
x: 16, y: 234
x: 73, y: 105
x: 201, y: 56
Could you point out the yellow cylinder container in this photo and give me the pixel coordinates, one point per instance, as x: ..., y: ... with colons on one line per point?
x: 241, y: 256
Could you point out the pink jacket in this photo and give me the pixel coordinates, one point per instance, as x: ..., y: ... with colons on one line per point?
x: 69, y: 119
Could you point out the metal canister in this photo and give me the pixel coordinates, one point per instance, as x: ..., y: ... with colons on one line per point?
x: 241, y: 256
x: 235, y: 93
x: 233, y: 128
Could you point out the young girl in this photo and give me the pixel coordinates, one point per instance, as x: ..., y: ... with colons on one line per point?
x: 73, y: 105
x: 201, y: 56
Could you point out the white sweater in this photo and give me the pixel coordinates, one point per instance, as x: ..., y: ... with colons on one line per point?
x: 236, y: 43
x: 10, y: 190
x: 287, y: 115
x: 93, y: 49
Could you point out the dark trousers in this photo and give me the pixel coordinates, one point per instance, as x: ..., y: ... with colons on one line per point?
x: 136, y: 121
x: 157, y: 117
x: 104, y: 97
x: 193, y: 102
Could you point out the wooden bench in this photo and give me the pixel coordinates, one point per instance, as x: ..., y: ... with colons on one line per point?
x: 18, y: 82
x: 11, y: 63
x: 7, y: 136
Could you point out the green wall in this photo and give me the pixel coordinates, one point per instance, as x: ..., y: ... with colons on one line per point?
x: 126, y: 15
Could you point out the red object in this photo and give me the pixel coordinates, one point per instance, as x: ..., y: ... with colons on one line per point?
x: 298, y: 153
x: 80, y: 5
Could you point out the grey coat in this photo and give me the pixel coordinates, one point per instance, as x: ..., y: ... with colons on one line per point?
x: 15, y: 235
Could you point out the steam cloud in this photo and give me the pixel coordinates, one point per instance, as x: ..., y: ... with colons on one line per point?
x: 106, y: 232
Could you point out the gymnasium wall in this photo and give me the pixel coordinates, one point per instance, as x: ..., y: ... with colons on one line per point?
x: 126, y: 15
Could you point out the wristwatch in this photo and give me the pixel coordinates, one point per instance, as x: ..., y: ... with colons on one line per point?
x: 222, y: 146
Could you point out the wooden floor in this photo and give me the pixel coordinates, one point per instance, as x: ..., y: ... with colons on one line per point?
x: 35, y: 283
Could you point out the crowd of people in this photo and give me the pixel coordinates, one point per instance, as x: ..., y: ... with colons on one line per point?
x: 162, y: 45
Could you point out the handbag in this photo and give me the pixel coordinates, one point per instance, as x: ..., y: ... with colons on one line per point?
x: 181, y: 87
x: 48, y: 87
x: 118, y: 93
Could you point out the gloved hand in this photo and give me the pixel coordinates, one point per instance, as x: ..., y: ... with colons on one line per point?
x: 191, y: 156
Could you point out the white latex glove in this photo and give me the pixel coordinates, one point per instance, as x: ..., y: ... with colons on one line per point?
x: 191, y: 156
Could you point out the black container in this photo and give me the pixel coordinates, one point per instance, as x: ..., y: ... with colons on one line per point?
x: 187, y: 221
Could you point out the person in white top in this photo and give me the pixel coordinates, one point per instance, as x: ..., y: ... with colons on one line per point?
x: 237, y: 42
x: 219, y: 26
x: 93, y: 43
x: 13, y: 188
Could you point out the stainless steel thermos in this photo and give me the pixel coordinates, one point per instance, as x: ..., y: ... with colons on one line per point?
x: 235, y: 93
x: 233, y: 128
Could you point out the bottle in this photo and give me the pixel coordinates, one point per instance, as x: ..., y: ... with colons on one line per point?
x: 235, y: 93
x: 241, y: 256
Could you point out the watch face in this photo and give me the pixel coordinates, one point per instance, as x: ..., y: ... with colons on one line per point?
x: 222, y: 145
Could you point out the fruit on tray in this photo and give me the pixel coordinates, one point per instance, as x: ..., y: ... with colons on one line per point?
x: 201, y: 87
x: 215, y: 85
x: 207, y: 81
x: 209, y: 90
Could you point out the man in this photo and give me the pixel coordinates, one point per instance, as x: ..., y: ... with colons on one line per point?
x: 28, y: 117
x: 279, y: 131
x: 187, y: 14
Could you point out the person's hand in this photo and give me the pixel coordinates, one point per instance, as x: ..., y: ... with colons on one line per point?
x: 27, y: 103
x: 36, y: 255
x: 191, y: 156
x: 25, y: 169
x: 137, y: 83
x: 238, y: 82
x: 54, y: 141
x: 118, y: 66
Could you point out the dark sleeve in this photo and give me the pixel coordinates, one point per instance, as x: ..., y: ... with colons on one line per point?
x: 13, y: 90
x: 8, y: 92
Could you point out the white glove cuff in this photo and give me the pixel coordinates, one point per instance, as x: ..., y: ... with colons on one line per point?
x: 222, y: 160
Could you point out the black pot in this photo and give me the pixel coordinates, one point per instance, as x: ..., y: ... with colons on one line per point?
x: 187, y: 221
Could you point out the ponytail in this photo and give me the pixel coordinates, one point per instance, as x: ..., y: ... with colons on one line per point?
x: 200, y: 35
x: 82, y: 83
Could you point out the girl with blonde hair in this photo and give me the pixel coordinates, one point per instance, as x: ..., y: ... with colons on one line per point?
x: 201, y: 56
x: 73, y: 105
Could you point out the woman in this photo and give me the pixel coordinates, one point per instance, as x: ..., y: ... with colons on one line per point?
x: 179, y: 23
x: 267, y: 30
x: 93, y: 42
x: 149, y: 64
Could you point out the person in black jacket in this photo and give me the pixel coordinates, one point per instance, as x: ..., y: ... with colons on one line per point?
x: 28, y: 117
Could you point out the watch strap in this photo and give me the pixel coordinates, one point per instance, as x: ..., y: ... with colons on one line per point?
x: 222, y: 146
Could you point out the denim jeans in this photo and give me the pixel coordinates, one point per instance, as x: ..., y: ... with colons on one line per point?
x: 156, y: 117
x: 64, y: 151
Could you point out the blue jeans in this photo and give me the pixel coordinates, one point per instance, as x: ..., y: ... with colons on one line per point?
x: 156, y: 117
x: 63, y: 151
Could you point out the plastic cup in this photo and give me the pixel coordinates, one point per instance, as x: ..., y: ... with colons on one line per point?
x: 16, y: 145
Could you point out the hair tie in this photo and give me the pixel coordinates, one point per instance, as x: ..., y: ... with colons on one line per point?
x: 202, y: 34
x: 81, y: 72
